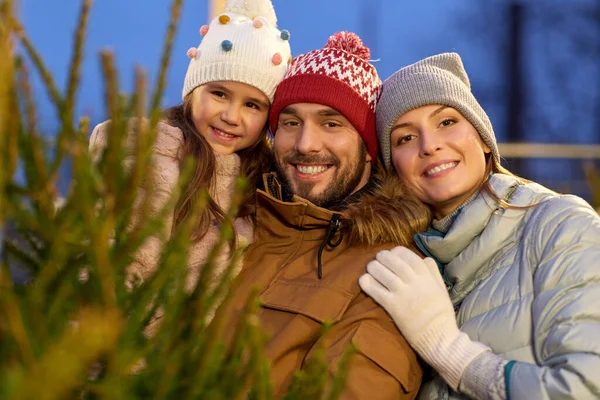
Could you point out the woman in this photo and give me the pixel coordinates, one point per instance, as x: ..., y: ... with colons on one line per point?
x: 519, y: 263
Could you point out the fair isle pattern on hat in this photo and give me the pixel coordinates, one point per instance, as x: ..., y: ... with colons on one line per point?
x: 242, y: 45
x: 338, y: 76
x: 339, y: 65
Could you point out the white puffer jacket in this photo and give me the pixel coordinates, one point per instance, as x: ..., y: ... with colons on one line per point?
x: 526, y: 282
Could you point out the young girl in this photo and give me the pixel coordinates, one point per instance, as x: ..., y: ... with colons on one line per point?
x: 222, y: 123
x: 519, y: 262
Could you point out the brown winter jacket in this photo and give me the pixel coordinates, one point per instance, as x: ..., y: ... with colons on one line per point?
x: 283, y: 264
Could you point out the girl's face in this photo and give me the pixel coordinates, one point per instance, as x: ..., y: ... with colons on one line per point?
x: 439, y: 155
x: 231, y: 116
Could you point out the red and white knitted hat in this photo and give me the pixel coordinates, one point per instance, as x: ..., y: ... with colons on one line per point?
x: 338, y: 76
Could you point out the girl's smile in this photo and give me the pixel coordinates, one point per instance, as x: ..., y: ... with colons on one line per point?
x: 231, y: 116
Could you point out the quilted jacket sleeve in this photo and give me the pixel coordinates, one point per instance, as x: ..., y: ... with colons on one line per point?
x: 564, y: 235
x: 165, y: 161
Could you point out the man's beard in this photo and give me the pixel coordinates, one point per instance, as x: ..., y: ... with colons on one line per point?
x: 342, y: 184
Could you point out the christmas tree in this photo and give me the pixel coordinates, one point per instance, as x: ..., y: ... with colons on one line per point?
x: 75, y: 329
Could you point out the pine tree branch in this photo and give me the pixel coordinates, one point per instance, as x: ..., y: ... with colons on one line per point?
x: 116, y: 132
x: 68, y: 107
x: 33, y: 148
x: 39, y: 64
x: 165, y: 60
x: 7, y: 144
x: 75, y: 68
x: 97, y: 332
x: 12, y: 317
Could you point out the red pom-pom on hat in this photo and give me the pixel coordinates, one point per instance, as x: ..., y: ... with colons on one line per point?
x: 350, y: 42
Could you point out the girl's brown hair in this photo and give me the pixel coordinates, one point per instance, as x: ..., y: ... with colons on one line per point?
x: 254, y: 160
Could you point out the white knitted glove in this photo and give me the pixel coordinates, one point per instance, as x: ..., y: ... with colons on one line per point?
x: 412, y: 291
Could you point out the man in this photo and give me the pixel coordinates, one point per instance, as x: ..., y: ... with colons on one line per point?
x: 320, y: 220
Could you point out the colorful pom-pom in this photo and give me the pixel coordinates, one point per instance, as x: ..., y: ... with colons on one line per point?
x: 277, y: 59
x: 204, y: 30
x: 349, y: 42
x: 192, y: 52
x: 285, y: 34
x: 224, y: 19
x: 226, y: 45
x: 258, y: 23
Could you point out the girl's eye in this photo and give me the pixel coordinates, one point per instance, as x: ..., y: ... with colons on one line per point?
x: 220, y: 94
x: 252, y: 105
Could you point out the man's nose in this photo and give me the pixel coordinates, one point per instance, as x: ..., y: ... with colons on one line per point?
x: 309, y: 139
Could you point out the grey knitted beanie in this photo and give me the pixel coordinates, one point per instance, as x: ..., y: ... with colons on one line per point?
x: 440, y: 79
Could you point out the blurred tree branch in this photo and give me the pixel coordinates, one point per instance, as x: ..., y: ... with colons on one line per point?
x: 75, y: 329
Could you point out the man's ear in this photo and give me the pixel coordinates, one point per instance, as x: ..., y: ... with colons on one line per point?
x: 368, y: 158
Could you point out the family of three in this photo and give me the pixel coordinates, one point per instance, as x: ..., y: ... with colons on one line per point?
x: 381, y: 208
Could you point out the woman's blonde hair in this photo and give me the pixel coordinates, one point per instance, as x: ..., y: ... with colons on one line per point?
x: 494, y: 167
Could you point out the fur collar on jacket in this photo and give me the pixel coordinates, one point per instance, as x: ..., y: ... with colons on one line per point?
x: 387, y: 213
x: 382, y: 213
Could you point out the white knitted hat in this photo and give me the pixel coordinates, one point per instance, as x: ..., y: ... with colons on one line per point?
x: 243, y: 45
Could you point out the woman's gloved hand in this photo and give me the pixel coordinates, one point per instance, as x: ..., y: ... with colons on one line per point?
x: 412, y: 291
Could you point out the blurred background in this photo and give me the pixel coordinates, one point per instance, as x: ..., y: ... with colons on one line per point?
x: 534, y: 65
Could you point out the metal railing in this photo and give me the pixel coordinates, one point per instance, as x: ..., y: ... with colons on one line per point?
x: 560, y: 167
x: 544, y: 150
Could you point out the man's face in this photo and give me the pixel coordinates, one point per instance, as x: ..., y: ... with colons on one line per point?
x: 319, y: 155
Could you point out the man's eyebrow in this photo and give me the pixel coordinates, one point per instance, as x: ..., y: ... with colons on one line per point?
x: 324, y: 112
x: 329, y: 112
x: 289, y: 110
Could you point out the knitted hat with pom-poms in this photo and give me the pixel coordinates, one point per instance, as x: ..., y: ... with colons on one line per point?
x: 242, y: 45
x: 338, y: 76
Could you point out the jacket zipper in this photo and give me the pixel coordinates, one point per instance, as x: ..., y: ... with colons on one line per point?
x: 334, y: 227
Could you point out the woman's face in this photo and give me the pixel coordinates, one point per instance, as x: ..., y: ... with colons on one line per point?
x: 439, y: 155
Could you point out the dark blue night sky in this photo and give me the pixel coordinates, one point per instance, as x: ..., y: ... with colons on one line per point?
x: 561, y: 49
